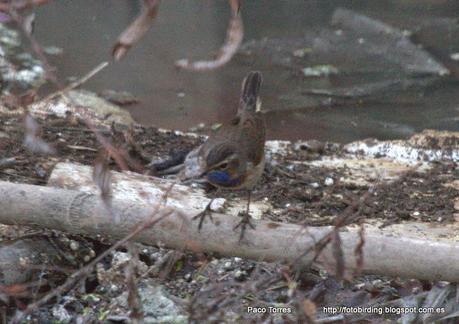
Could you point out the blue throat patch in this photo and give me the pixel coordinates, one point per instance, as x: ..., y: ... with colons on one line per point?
x: 223, y: 179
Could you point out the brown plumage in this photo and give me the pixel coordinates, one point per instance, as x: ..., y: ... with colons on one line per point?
x: 240, y: 141
x: 233, y: 156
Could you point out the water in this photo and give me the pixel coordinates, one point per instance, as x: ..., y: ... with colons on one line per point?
x: 87, y: 29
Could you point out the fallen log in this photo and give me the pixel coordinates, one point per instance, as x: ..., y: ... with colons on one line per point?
x: 407, y: 250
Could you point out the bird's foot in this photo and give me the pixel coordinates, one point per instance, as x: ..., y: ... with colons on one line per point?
x: 246, y: 221
x: 202, y: 216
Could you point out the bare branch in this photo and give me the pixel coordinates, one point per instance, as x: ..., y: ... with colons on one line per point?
x: 136, y: 30
x: 21, y: 4
x: 233, y: 41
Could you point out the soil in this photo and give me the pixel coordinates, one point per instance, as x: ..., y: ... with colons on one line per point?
x: 288, y: 186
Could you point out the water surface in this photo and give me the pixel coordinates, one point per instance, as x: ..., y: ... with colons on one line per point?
x: 87, y: 29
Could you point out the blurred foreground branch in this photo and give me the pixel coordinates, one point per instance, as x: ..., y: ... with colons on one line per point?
x: 234, y: 37
x: 134, y: 32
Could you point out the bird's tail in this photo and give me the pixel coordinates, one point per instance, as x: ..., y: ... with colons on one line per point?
x: 250, y: 91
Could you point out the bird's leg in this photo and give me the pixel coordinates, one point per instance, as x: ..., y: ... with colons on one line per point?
x: 245, y: 218
x: 206, y: 212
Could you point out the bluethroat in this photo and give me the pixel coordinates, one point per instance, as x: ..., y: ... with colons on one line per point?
x: 233, y: 156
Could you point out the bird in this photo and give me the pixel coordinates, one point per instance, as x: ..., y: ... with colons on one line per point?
x: 233, y: 156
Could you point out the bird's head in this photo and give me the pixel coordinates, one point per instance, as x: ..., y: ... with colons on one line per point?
x: 225, y: 167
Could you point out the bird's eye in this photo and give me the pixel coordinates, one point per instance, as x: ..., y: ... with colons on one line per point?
x: 223, y: 166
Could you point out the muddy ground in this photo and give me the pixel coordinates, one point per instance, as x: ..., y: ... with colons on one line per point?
x: 209, y: 288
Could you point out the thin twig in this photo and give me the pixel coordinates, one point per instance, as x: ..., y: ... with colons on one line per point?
x: 77, y: 83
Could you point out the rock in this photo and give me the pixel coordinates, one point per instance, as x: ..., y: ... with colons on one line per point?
x: 101, y: 108
x: 26, y: 72
x: 158, y: 305
x: 433, y: 139
x: 428, y: 146
x: 113, y: 277
x: 240, y: 275
x: 53, y: 50
x: 122, y: 98
x: 74, y: 245
x: 61, y: 314
x: 21, y: 259
x: 329, y: 182
x: 228, y: 265
x: 314, y: 146
x: 218, y: 205
x: 319, y: 70
x: 188, y: 277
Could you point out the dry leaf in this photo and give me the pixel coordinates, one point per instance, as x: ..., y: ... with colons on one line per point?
x: 136, y: 30
x: 309, y: 309
x: 101, y: 175
x: 234, y: 37
x: 32, y: 138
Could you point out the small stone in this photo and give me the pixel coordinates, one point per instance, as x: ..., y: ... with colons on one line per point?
x: 329, y: 182
x: 188, y: 277
x: 218, y: 204
x: 240, y: 275
x: 216, y: 126
x: 236, y: 259
x: 53, y: 50
x: 91, y: 298
x: 155, y: 255
x: 181, y: 94
x: 319, y: 70
x: 407, y: 33
x: 4, y: 135
x: 74, y: 245
x: 114, y: 288
x: 61, y: 314
x: 315, y: 185
x: 455, y: 56
x: 416, y: 213
x: 301, y: 52
x: 228, y: 265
